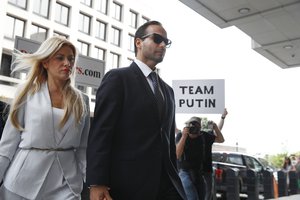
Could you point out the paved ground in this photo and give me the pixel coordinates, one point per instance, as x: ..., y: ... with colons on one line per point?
x: 292, y: 197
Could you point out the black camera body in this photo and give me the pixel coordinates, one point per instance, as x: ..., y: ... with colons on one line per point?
x: 193, y: 129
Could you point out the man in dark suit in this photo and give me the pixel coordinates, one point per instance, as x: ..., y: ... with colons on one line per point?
x: 131, y: 152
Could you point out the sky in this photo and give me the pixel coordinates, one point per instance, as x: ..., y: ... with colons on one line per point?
x: 261, y: 98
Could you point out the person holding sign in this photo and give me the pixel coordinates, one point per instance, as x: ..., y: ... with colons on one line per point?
x: 131, y: 149
x: 193, y: 149
x: 43, y: 146
x: 207, y: 165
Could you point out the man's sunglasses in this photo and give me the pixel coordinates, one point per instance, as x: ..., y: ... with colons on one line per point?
x: 158, y: 39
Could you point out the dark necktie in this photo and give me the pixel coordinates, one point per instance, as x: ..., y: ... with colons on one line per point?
x: 158, y: 95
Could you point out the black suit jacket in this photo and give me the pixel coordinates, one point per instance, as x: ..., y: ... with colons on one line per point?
x: 128, y: 142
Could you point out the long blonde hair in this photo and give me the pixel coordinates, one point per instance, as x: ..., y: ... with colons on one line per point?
x: 73, y: 100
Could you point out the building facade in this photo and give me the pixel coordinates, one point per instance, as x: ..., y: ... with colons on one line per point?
x: 100, y: 29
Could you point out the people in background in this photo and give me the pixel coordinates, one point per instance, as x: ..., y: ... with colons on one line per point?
x: 207, y: 166
x: 297, y: 166
x: 194, y: 154
x: 287, y: 165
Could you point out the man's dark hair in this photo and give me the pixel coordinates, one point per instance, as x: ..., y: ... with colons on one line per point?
x: 141, y: 31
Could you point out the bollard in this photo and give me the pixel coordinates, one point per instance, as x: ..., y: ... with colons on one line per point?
x: 232, y: 184
x: 252, y: 185
x: 268, y: 184
x: 282, y: 184
x: 293, y: 186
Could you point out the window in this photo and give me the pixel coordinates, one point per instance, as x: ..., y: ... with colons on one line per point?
x: 117, y: 11
x: 129, y: 61
x: 115, y: 60
x: 83, y: 48
x: 41, y: 7
x: 133, y: 19
x: 99, y: 53
x: 218, y: 157
x: 81, y: 88
x: 86, y: 2
x: 101, y: 6
x: 94, y: 91
x: 19, y: 3
x: 84, y: 23
x: 131, y: 42
x: 55, y: 33
x: 101, y: 30
x: 144, y: 20
x: 5, y: 68
x: 38, y: 33
x: 249, y: 162
x: 253, y: 163
x: 116, y: 36
x: 14, y: 27
x: 62, y: 14
x: 235, y: 159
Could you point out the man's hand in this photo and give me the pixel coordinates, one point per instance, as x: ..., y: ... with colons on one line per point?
x: 214, y: 125
x: 185, y: 132
x: 99, y: 192
x: 224, y: 114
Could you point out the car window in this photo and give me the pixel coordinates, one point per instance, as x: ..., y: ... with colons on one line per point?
x: 252, y: 163
x: 249, y: 162
x: 234, y: 159
x: 257, y: 165
x: 218, y: 157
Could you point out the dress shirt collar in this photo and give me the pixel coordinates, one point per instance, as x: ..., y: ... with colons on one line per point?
x: 144, y: 68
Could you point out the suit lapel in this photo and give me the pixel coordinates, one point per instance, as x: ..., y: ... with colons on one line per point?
x: 48, y: 107
x: 69, y: 127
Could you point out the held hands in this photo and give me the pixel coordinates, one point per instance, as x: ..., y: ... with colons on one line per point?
x: 99, y: 192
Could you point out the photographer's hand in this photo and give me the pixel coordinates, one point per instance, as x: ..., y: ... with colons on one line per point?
x: 214, y: 125
x: 185, y: 132
x: 180, y: 145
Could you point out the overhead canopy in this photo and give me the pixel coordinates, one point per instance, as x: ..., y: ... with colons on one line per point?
x: 273, y: 25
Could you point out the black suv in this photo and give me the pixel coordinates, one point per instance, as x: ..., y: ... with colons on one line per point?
x: 223, y: 160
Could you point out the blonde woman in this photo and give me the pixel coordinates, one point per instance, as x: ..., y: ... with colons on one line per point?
x: 43, y: 146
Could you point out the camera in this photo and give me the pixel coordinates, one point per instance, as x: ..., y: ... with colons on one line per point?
x: 193, y: 127
x: 210, y: 125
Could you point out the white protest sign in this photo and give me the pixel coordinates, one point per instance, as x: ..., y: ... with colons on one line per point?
x: 199, y: 96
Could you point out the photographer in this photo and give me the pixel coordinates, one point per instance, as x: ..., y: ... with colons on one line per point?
x: 192, y: 147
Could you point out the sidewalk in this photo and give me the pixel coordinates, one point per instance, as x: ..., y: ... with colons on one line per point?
x: 292, y: 197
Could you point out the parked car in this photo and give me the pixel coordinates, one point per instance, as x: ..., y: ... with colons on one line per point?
x: 269, y: 167
x: 222, y: 160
